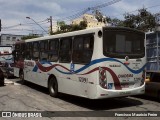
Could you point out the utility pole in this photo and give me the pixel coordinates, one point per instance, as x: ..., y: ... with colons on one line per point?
x: 37, y: 24
x: 50, y: 20
x: 0, y: 25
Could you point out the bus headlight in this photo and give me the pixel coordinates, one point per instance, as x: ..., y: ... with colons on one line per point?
x: 102, y: 78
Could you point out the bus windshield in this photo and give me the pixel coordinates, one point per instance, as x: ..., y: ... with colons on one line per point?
x: 119, y: 43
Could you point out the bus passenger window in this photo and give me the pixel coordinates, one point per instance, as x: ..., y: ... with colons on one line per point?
x: 44, y: 50
x: 82, y: 49
x: 28, y: 52
x: 65, y: 50
x: 53, y: 56
x: 35, y: 51
x: 53, y: 50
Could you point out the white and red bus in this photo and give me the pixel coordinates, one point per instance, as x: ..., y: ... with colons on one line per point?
x: 94, y: 63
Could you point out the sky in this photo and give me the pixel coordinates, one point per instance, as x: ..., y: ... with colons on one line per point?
x: 13, y: 13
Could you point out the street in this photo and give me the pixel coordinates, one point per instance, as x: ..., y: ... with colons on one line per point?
x: 30, y: 97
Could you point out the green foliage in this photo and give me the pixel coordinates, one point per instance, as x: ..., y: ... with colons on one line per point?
x: 68, y: 28
x: 115, y: 22
x: 144, y: 20
x: 60, y: 23
x: 29, y: 37
x: 83, y: 24
x: 99, y: 16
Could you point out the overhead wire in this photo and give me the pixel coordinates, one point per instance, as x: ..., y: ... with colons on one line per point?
x: 21, y: 30
x: 135, y: 10
x: 25, y: 24
x: 78, y: 14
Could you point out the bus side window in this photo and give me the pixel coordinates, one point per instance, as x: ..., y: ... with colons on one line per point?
x: 23, y: 49
x: 82, y: 49
x: 88, y: 48
x: 16, y: 52
x: 28, y: 55
x: 77, y: 50
x: 35, y: 51
x: 65, y: 50
x: 53, y: 50
x: 19, y: 51
x: 44, y: 50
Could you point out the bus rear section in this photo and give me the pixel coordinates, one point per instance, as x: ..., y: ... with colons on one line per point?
x: 122, y: 68
x: 19, y: 55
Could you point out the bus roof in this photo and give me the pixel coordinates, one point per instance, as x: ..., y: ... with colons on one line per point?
x: 74, y: 33
x: 67, y: 34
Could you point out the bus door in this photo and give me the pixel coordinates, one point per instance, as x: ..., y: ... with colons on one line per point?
x: 28, y: 62
x: 65, y: 53
x: 42, y: 72
x: 42, y: 63
x: 28, y: 66
x: 81, y: 57
x: 32, y: 63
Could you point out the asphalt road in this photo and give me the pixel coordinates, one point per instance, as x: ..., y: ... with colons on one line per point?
x: 30, y: 97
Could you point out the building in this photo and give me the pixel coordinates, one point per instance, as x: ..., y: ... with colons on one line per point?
x: 9, y: 39
x: 91, y: 21
x: 55, y: 28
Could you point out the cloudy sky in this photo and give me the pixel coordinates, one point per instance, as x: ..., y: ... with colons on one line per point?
x: 13, y: 13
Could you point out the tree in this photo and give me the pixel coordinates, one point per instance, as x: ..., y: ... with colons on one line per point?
x: 68, y: 28
x: 62, y: 25
x: 114, y: 21
x: 83, y: 24
x: 99, y: 16
x: 144, y: 20
x: 29, y: 37
x: 130, y: 20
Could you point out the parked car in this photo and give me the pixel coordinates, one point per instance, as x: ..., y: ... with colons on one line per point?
x: 1, y: 78
x: 7, y: 69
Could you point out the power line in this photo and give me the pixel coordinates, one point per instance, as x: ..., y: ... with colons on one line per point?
x: 135, y: 10
x: 21, y: 30
x: 78, y: 14
x: 26, y: 24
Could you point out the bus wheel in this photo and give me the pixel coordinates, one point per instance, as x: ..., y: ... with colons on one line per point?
x: 2, y: 81
x: 21, y: 76
x: 53, y: 87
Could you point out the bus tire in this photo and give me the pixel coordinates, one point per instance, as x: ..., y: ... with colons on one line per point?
x: 21, y: 76
x: 2, y: 82
x: 53, y: 87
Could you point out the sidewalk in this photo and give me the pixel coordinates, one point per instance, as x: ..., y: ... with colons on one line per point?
x: 10, y: 82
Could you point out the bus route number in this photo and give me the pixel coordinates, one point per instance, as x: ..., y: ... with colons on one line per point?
x: 82, y: 79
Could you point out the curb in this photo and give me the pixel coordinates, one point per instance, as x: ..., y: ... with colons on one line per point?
x: 9, y: 82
